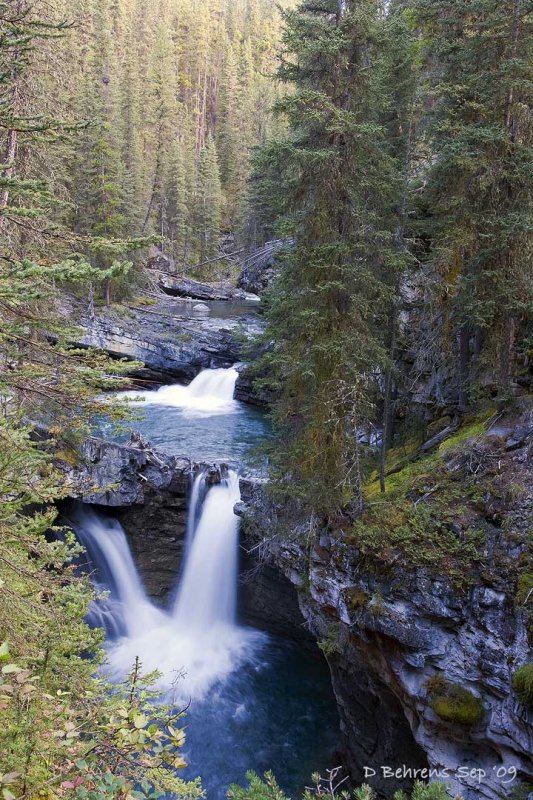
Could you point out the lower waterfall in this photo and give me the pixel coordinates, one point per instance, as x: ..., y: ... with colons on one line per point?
x: 257, y: 701
x: 207, y: 595
x: 126, y: 611
x: 197, y: 642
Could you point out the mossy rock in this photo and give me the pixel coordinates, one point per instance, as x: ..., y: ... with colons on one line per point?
x: 522, y: 683
x: 453, y: 703
x: 524, y: 590
x: 356, y: 598
x: 521, y: 792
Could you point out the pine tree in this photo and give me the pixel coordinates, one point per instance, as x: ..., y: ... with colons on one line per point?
x: 208, y: 201
x: 228, y: 143
x: 334, y: 179
x: 478, y: 191
x: 180, y: 199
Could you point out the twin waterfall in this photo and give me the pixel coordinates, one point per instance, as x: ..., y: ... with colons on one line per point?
x: 197, y: 642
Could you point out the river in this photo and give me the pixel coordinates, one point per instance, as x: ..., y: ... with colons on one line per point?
x: 258, y: 701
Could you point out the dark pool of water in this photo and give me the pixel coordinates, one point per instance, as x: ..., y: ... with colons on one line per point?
x: 218, y: 309
x: 229, y: 437
x: 277, y: 714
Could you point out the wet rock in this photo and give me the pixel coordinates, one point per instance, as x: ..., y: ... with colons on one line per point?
x: 239, y: 509
x: 168, y: 348
x: 387, y: 634
x: 120, y: 476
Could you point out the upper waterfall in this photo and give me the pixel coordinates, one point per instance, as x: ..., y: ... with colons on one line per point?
x: 210, y: 392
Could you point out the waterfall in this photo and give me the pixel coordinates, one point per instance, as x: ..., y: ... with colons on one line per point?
x: 210, y: 392
x: 197, y: 643
x: 195, y: 505
x: 207, y: 594
x: 128, y: 609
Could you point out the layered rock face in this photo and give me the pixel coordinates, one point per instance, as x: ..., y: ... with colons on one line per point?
x: 168, y: 345
x: 390, y: 628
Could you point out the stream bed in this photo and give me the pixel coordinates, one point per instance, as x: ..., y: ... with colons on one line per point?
x: 257, y: 701
x: 201, y: 421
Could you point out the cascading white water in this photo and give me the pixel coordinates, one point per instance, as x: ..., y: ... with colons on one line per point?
x: 207, y: 595
x: 195, y: 503
x: 128, y: 608
x: 210, y: 392
x: 198, y: 641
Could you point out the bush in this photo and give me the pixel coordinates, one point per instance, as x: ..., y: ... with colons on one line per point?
x: 454, y: 703
x: 522, y: 683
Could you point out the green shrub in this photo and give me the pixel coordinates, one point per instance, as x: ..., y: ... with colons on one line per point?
x: 521, y: 792
x: 522, y: 683
x: 454, y: 703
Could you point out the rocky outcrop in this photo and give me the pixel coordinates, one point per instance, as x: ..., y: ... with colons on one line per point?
x: 168, y: 344
x: 121, y: 476
x: 259, y: 269
x: 391, y: 629
x: 248, y: 391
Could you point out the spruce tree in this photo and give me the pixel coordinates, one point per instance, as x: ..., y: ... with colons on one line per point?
x: 208, y: 201
x: 334, y: 179
x: 478, y: 190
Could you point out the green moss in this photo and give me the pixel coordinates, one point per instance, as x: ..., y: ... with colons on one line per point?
x: 521, y: 792
x: 524, y: 592
x: 355, y: 598
x: 330, y: 644
x: 465, y: 432
x: 522, y: 683
x: 454, y: 703
x: 432, y: 514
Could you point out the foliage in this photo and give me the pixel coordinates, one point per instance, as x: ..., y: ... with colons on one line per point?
x: 330, y: 644
x: 454, y: 703
x: 104, y: 743
x: 330, y: 787
x: 335, y: 186
x: 522, y: 683
x: 172, y: 88
x: 477, y: 189
x: 416, y: 518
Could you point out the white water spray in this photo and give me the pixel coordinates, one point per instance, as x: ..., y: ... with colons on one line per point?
x: 195, y: 504
x: 207, y: 596
x: 198, y: 641
x: 128, y: 607
x: 211, y: 392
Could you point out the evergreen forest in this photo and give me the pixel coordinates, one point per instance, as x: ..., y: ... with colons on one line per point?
x: 301, y: 231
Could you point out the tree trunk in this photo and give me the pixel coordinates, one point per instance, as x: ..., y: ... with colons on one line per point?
x: 7, y: 171
x: 507, y: 344
x: 509, y: 121
x: 386, y: 434
x: 463, y: 393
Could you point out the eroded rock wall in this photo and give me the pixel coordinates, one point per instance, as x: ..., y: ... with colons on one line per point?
x: 388, y: 626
